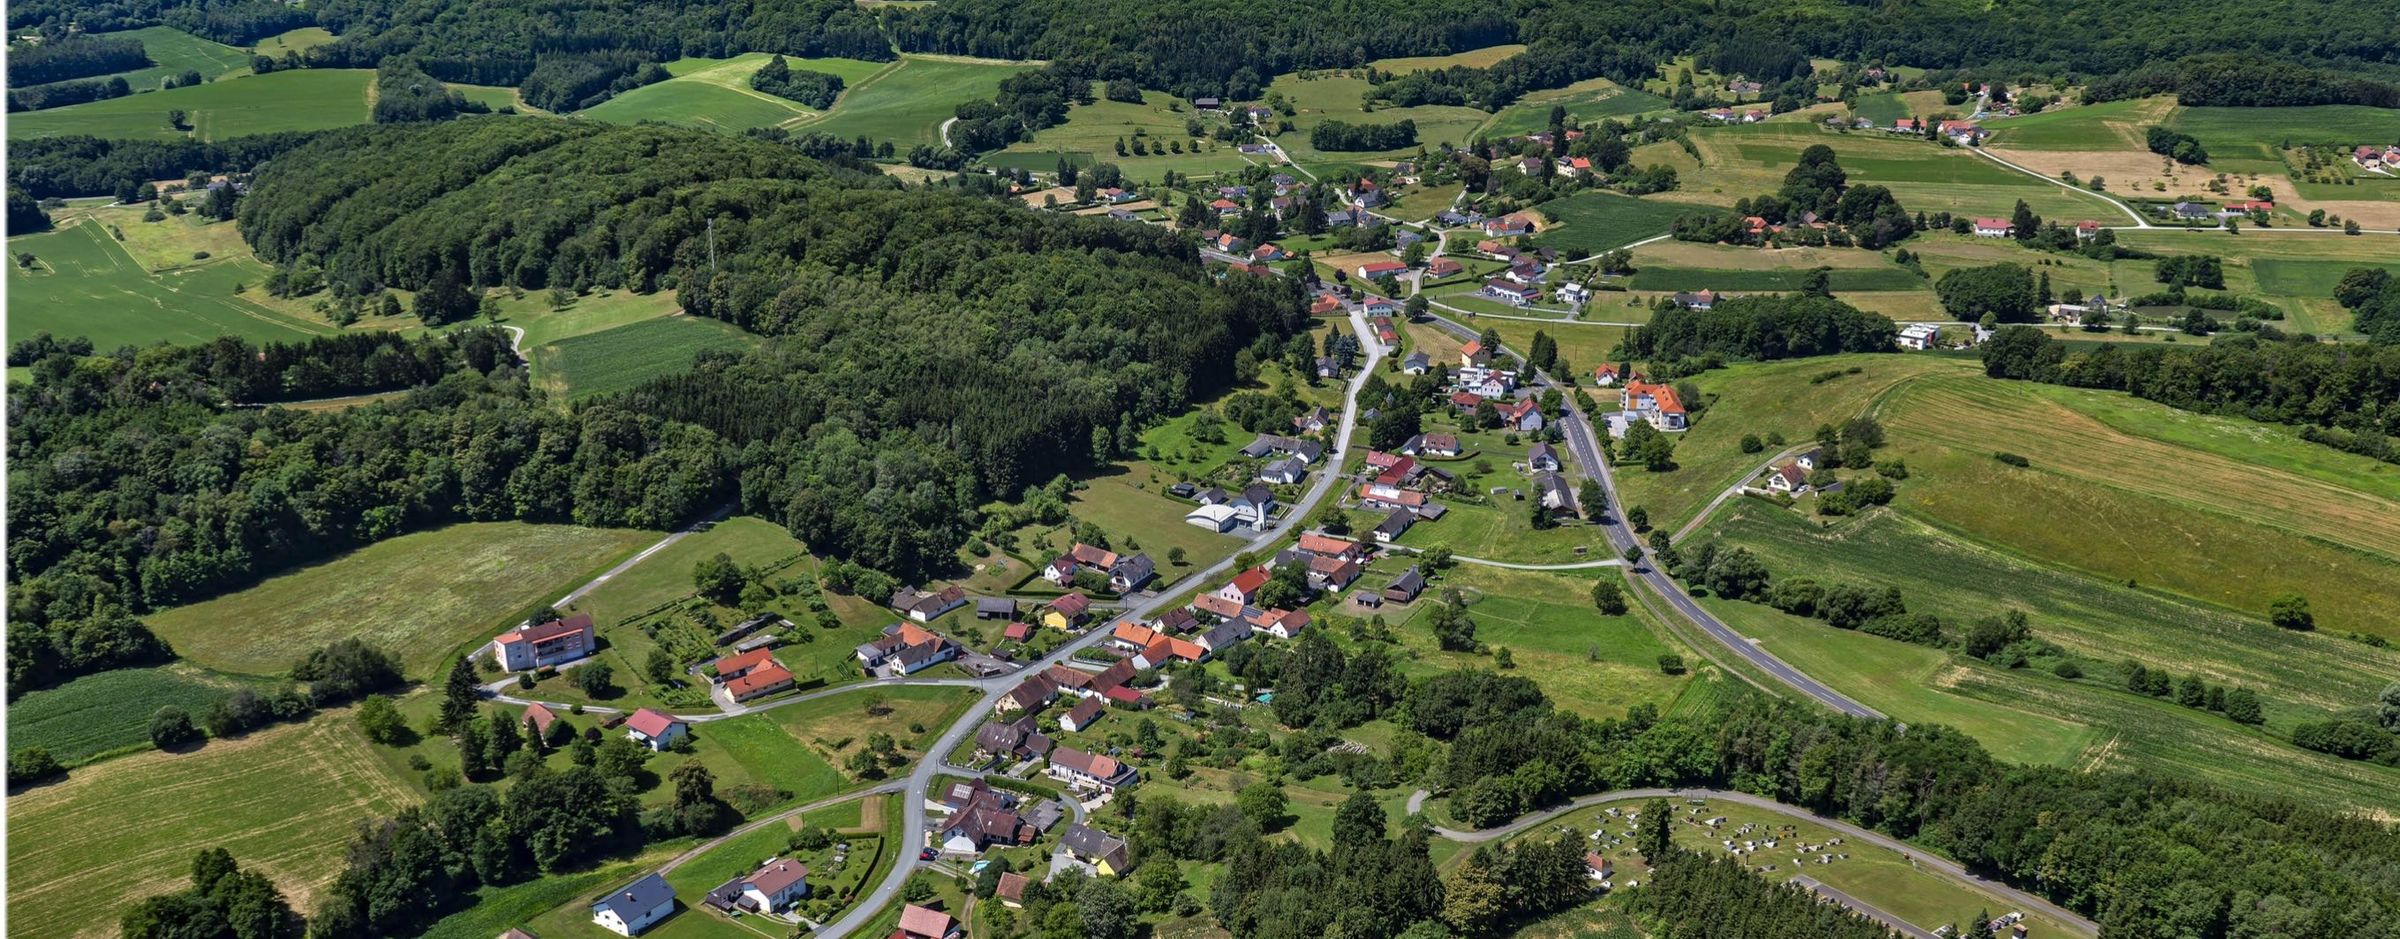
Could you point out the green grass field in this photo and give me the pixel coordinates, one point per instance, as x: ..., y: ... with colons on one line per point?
x: 1591, y: 222
x: 1763, y: 398
x: 1689, y: 278
x: 2109, y: 125
x: 89, y: 285
x: 1092, y: 131
x: 301, y: 99
x: 1588, y: 102
x: 1891, y: 106
x: 2259, y: 132
x: 298, y: 40
x: 426, y: 596
x: 172, y: 52
x: 908, y: 104
x: 715, y: 94
x: 1745, y: 160
x: 1594, y: 665
x: 282, y: 800
x: 620, y: 358
x: 110, y: 711
x: 1318, y: 100
x: 1485, y: 57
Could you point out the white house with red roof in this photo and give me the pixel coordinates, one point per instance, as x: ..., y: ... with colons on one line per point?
x: 1656, y: 404
x: 750, y: 675
x: 1993, y: 228
x: 1375, y: 269
x: 657, y: 730
x: 543, y: 645
x: 919, y: 922
x: 1243, y: 588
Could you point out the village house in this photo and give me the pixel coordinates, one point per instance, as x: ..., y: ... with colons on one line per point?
x: 752, y: 674
x: 1511, y: 293
x: 1918, y: 336
x: 1965, y: 133
x: 904, y: 649
x: 1067, y: 612
x: 1703, y: 300
x: 1656, y: 404
x: 2086, y: 230
x: 538, y: 720
x: 1032, y: 694
x: 772, y: 888
x: 926, y: 606
x: 1554, y: 493
x: 1508, y: 225
x: 1574, y: 294
x: 1605, y: 376
x: 919, y: 922
x: 544, y: 645
x: 1011, y: 890
x: 639, y: 906
x: 1016, y: 740
x: 1082, y: 715
x: 1474, y: 355
x: 978, y: 816
x: 995, y: 608
x: 1088, y: 771
x: 1417, y: 363
x: 1443, y: 446
x: 1281, y: 624
x: 1908, y: 125
x: 1325, y: 304
x: 1225, y: 635
x: 1315, y: 419
x: 1106, y: 853
x: 1243, y: 588
x: 1542, y: 457
x: 1443, y: 267
x: 1308, y: 451
x: 657, y: 730
x: 1375, y: 269
x: 1394, y: 525
x: 1993, y: 228
x: 1375, y: 306
x: 1523, y: 415
x: 2191, y: 211
x: 1406, y: 587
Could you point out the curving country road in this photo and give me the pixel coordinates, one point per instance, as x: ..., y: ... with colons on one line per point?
x: 1938, y: 865
x: 921, y: 779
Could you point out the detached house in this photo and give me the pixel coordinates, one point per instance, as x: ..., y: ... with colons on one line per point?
x: 1083, y: 714
x: 1017, y: 740
x: 775, y: 886
x: 1993, y: 228
x: 1088, y: 771
x: 1417, y: 363
x: 752, y: 674
x: 1656, y: 404
x: 1434, y: 445
x: 635, y: 907
x: 1508, y: 225
x: 541, y: 645
x: 1243, y: 588
x: 1511, y: 292
x: 1105, y: 852
x: 926, y: 606
x: 657, y: 730
x: 1067, y: 612
x: 1522, y: 414
x: 1542, y: 457
x: 1032, y: 694
x: 919, y: 922
x: 905, y: 649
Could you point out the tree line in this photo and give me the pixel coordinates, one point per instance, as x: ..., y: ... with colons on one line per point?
x: 72, y: 55
x: 815, y: 89
x: 1762, y: 327
x: 82, y: 165
x: 1335, y: 135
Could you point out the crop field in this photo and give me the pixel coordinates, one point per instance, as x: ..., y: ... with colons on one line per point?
x: 301, y: 99
x: 1592, y: 222
x: 2162, y: 496
x: 620, y: 358
x: 1764, y: 398
x: 281, y: 800
x: 1338, y: 98
x: 423, y: 595
x: 1891, y: 106
x: 1760, y: 281
x: 88, y: 285
x: 1092, y: 131
x: 1672, y: 253
x: 298, y: 40
x: 715, y: 94
x: 1589, y: 102
x: 2110, y: 125
x: 1879, y: 877
x: 109, y: 711
x: 172, y: 52
x: 908, y: 103
x: 1742, y: 161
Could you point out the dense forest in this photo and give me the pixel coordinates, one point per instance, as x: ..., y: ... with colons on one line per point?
x: 1772, y: 326
x: 1342, y: 135
x: 63, y: 167
x: 404, y: 93
x: 76, y: 55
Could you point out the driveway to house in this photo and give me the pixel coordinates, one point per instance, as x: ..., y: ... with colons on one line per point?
x: 1917, y: 855
x: 920, y: 781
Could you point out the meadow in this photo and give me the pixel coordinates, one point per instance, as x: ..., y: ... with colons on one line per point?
x: 426, y: 596
x: 1339, y: 98
x: 715, y: 94
x: 1591, y: 222
x: 1594, y: 665
x: 1746, y: 160
x: 301, y: 99
x: 2110, y: 125
x: 99, y: 714
x: 619, y: 358
x: 1762, y: 398
x: 1092, y: 131
x: 298, y: 40
x: 1587, y: 102
x: 2227, y: 511
x: 1485, y: 57
x: 87, y: 284
x: 2258, y: 133
x: 1886, y: 107
x: 1762, y: 281
x: 907, y: 104
x: 1880, y: 877
x: 282, y: 800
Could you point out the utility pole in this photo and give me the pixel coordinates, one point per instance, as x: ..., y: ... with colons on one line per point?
x: 712, y: 248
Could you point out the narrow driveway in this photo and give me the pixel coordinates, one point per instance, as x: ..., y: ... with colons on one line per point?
x: 1939, y: 865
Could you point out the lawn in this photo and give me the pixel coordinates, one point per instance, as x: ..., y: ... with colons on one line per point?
x: 88, y: 285
x: 426, y: 595
x: 587, y: 314
x: 907, y: 104
x: 1594, y: 665
x: 622, y: 357
x: 1130, y: 503
x: 300, y: 99
x: 1891, y: 106
x: 715, y: 94
x: 298, y: 40
x: 1763, y: 398
x: 667, y: 576
x: 282, y: 801
x: 1497, y: 525
x: 1592, y: 222
x: 96, y: 715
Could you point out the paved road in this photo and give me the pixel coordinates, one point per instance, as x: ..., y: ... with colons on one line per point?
x: 1938, y: 865
x: 2138, y: 220
x: 1733, y: 490
x: 921, y: 779
x: 1586, y: 448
